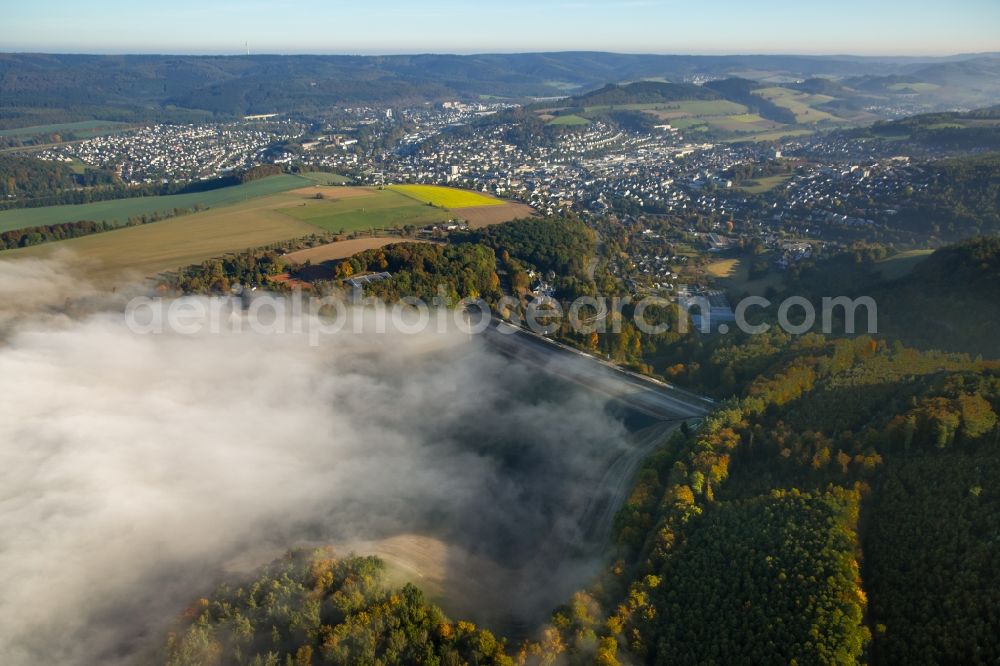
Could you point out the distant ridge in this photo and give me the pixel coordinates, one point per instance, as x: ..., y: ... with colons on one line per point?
x: 52, y: 88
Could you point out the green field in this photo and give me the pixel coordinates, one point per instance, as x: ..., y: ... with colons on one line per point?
x: 445, y: 197
x: 761, y: 185
x: 121, y: 209
x: 76, y: 128
x: 569, y: 120
x: 377, y: 209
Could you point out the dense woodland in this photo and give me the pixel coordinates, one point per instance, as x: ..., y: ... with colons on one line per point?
x: 250, y: 268
x: 464, y: 270
x: 961, y: 200
x: 822, y: 426
x: 315, y: 608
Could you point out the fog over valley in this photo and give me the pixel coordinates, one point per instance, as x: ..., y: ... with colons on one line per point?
x: 138, y: 471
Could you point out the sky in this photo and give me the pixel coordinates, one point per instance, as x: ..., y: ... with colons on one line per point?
x: 864, y: 27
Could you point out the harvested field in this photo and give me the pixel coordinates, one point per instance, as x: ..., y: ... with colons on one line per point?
x: 344, y: 249
x: 333, y: 193
x: 483, y: 216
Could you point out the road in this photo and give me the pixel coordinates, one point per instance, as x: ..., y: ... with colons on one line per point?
x: 648, y: 396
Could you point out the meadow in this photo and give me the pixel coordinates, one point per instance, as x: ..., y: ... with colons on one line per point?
x: 119, y: 210
x: 445, y: 197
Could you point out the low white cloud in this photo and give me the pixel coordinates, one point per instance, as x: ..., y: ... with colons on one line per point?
x: 133, y: 468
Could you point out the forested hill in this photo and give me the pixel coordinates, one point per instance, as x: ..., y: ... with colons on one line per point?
x: 960, y: 131
x: 949, y: 300
x: 644, y: 92
x: 741, y: 542
x: 47, y: 88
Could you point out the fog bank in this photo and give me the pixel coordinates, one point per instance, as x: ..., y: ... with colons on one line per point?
x: 133, y: 468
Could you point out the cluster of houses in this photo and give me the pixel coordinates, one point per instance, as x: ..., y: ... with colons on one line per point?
x: 163, y: 153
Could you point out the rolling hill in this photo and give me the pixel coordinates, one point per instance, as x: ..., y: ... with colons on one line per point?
x: 47, y: 88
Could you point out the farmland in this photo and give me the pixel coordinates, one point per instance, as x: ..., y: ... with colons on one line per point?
x: 148, y: 249
x: 482, y: 216
x: 356, y: 209
x: 256, y: 215
x: 799, y: 103
x: 721, y: 118
x: 119, y: 210
x: 695, y: 107
x: 445, y: 197
x: 344, y: 249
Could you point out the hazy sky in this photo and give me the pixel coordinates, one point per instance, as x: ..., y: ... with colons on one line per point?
x: 460, y: 26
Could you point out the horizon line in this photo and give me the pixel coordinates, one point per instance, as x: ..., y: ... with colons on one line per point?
x: 376, y: 54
